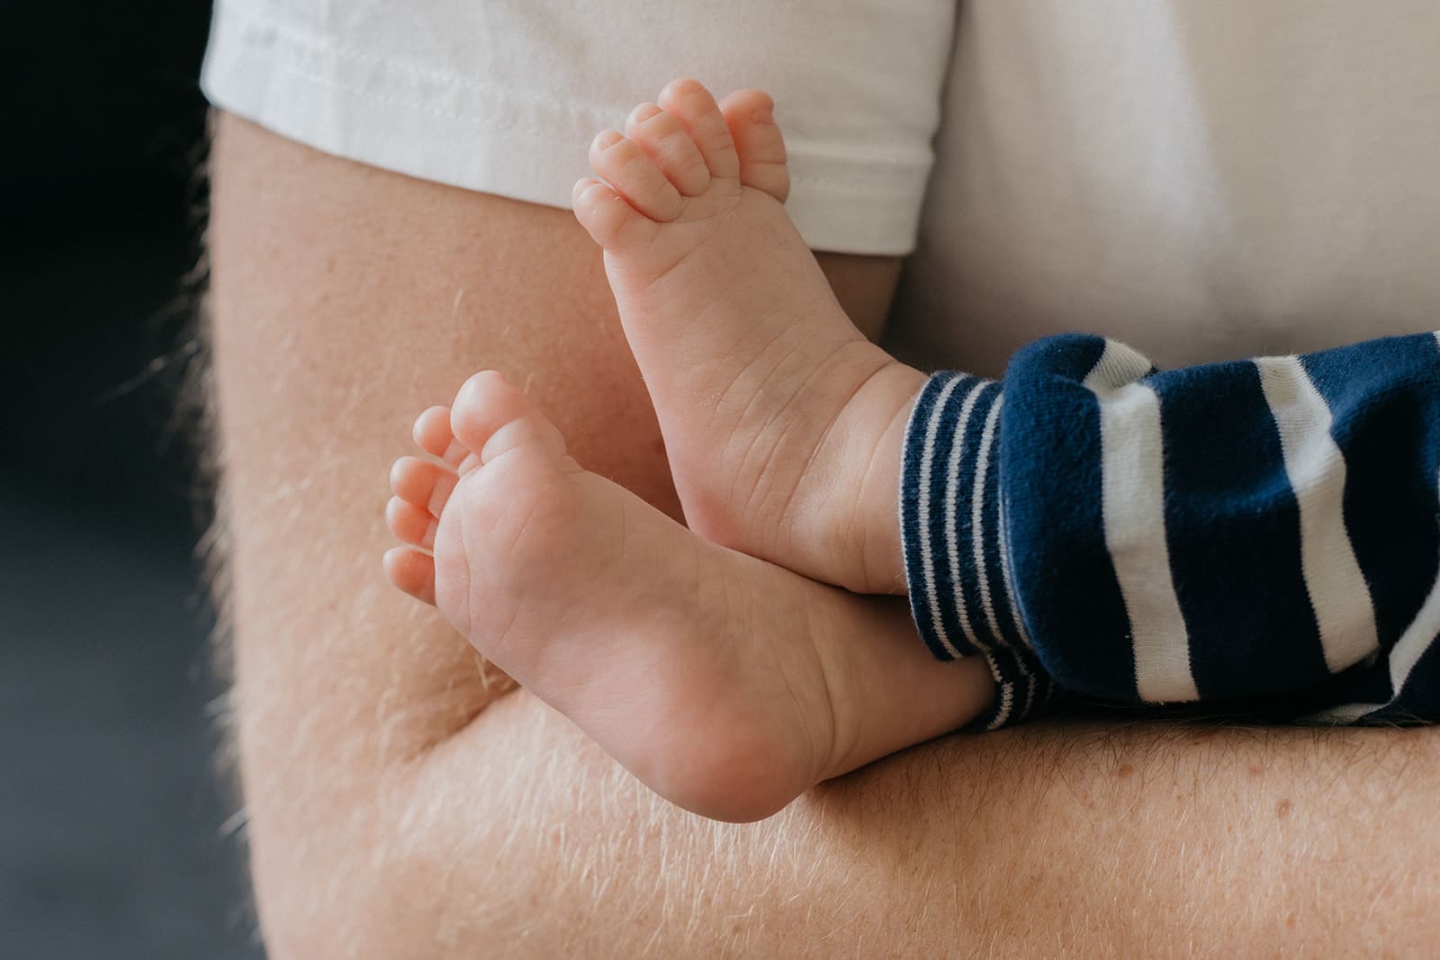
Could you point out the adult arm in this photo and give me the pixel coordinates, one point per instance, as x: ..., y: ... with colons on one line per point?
x: 402, y: 804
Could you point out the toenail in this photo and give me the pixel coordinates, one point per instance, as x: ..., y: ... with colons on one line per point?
x: 642, y: 113
x: 681, y: 87
x: 607, y: 139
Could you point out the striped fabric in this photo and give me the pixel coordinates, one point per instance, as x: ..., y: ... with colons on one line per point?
x: 1258, y: 529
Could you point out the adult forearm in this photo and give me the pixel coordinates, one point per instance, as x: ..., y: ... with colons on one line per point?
x: 1045, y: 841
x: 345, y: 299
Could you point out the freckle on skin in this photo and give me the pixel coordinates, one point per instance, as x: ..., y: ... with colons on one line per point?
x: 1282, y: 809
x: 1290, y: 921
x: 1126, y: 771
x: 1255, y: 770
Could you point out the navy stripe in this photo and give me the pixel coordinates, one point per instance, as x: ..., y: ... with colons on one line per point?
x: 1385, y: 400
x: 910, y: 513
x: 1233, y: 531
x: 1000, y: 600
x: 941, y: 494
x: 965, y: 532
x: 1050, y: 448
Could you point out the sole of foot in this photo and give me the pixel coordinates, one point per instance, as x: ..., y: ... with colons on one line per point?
x: 726, y: 684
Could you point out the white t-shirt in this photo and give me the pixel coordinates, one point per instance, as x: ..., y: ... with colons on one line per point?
x: 1204, y: 179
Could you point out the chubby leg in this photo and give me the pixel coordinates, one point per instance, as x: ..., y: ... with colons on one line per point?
x: 728, y: 685
x: 782, y: 423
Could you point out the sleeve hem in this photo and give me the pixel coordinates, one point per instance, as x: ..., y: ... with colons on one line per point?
x: 485, y: 137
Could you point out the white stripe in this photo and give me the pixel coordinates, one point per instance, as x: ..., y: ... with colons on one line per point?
x: 1014, y: 601
x: 1344, y: 715
x: 927, y: 561
x: 977, y: 507
x: 1118, y: 366
x: 1316, y: 469
x: 1134, y: 511
x: 1413, y: 643
x: 952, y: 547
x: 1007, y: 703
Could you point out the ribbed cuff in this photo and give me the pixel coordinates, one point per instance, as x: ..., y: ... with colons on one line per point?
x: 952, y: 523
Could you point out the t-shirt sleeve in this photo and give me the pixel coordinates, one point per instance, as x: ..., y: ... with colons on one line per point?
x: 504, y: 96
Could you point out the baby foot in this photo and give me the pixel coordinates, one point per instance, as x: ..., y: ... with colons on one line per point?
x: 726, y: 684
x: 783, y: 424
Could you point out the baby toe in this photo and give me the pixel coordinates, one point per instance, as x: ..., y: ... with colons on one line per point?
x: 697, y: 111
x: 665, y: 140
x: 758, y: 142
x: 620, y: 162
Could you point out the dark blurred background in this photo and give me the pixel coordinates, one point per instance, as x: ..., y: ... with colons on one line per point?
x: 118, y: 839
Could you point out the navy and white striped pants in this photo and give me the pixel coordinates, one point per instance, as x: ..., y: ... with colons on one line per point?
x: 1264, y: 528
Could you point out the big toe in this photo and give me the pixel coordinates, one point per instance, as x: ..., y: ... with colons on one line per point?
x: 750, y: 115
x: 491, y: 416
